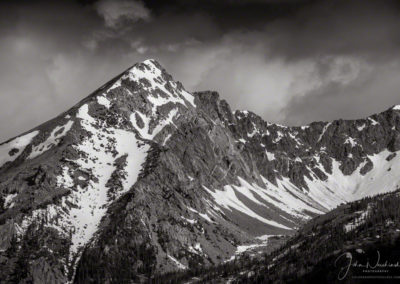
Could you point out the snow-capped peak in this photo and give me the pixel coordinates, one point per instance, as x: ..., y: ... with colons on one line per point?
x: 151, y: 77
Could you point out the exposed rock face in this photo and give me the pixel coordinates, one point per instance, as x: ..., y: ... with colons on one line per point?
x: 142, y: 177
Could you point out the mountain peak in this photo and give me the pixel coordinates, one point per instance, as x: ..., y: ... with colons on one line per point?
x: 148, y: 66
x: 150, y: 61
x: 150, y: 77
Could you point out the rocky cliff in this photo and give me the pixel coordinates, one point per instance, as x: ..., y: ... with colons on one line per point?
x: 143, y: 177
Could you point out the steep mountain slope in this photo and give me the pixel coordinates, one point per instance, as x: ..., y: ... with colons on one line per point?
x: 142, y: 177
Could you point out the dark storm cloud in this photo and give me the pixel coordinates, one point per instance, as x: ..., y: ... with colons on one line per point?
x: 339, y: 27
x: 361, y: 41
x: 289, y: 61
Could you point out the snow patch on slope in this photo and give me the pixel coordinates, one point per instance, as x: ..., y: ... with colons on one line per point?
x: 102, y: 100
x: 351, y: 141
x: 176, y: 262
x: 323, y: 131
x: 54, y: 138
x: 262, y: 242
x: 270, y: 156
x: 357, y: 221
x: 228, y: 199
x: 373, y: 121
x: 196, y: 249
x: 361, y: 127
x: 65, y: 180
x: 203, y: 215
x: 145, y: 131
x: 19, y: 144
x: 288, y: 197
x: 8, y: 201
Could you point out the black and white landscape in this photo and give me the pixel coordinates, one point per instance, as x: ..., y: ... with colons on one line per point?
x: 148, y: 181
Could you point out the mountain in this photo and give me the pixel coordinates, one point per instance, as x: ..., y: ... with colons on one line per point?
x: 143, y: 178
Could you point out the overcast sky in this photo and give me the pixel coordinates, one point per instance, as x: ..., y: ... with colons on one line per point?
x: 290, y: 61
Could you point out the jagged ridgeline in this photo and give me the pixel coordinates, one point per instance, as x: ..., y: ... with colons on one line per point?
x: 143, y: 178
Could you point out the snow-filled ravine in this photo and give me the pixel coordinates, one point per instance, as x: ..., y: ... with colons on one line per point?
x: 321, y: 197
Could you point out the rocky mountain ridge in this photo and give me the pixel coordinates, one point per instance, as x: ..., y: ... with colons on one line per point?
x: 143, y: 177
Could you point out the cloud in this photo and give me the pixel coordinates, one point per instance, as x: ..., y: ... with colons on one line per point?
x: 239, y: 67
x: 373, y: 91
x: 118, y: 12
x: 321, y: 61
